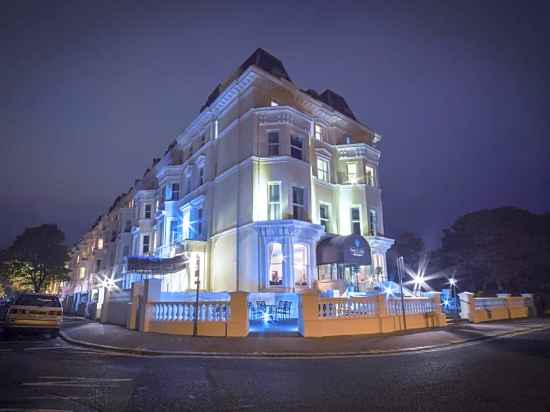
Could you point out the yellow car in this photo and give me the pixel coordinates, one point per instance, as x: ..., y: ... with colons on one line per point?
x: 34, y: 312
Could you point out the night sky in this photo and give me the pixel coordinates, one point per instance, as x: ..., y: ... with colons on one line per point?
x: 90, y: 92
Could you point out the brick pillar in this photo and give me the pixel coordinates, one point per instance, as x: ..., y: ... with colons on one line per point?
x: 237, y: 324
x: 308, y: 314
x: 151, y: 293
x: 467, y: 306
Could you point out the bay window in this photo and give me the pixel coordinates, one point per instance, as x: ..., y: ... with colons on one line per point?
x: 298, y: 206
x: 323, y: 169
x: 297, y: 147
x: 275, y: 272
x: 274, y: 200
x: 300, y: 264
x: 273, y: 143
x: 369, y: 175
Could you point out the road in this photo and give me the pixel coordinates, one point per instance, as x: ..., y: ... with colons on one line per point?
x: 510, y: 373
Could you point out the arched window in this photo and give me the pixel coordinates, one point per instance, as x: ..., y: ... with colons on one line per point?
x: 275, y: 272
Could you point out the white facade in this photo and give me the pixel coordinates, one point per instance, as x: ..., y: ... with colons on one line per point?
x: 246, y: 192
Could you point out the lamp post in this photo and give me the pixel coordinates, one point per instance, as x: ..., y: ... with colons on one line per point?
x: 400, y: 265
x: 198, y: 283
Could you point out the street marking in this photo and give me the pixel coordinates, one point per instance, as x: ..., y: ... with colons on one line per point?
x: 77, y: 381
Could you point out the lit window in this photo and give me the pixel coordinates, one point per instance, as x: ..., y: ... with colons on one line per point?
x: 186, y: 223
x: 351, y: 170
x: 347, y: 140
x: 82, y: 272
x: 318, y: 131
x: 175, y: 232
x: 300, y: 264
x: 216, y: 129
x: 369, y: 175
x: 323, y: 169
x: 273, y: 143
x: 373, y: 230
x: 298, y: 209
x: 296, y: 147
x: 324, y: 216
x: 274, y: 200
x: 274, y: 103
x: 145, y: 248
x: 100, y: 243
x: 275, y: 264
x: 147, y: 211
x: 355, y: 220
x: 77, y: 259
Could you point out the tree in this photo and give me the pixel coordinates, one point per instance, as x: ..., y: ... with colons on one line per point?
x: 408, y: 245
x: 505, y: 249
x: 36, y: 258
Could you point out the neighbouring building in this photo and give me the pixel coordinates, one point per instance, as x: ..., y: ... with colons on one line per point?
x: 271, y: 189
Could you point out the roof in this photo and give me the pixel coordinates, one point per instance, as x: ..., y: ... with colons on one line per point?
x: 259, y: 58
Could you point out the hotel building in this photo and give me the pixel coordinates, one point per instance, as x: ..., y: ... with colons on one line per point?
x: 271, y: 189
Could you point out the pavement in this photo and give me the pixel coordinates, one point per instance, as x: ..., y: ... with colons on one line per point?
x: 116, y: 338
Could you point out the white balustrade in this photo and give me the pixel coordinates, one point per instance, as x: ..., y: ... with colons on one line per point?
x: 489, y: 303
x: 333, y: 308
x: 412, y: 306
x: 211, y: 311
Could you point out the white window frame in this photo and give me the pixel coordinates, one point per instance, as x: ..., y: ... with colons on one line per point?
x: 318, y: 131
x: 269, y: 144
x: 303, y: 205
x: 329, y: 207
x: 352, y: 221
x: 369, y: 171
x: 301, y: 149
x: 270, y: 203
x: 325, y: 176
x: 143, y: 252
x: 373, y: 226
x: 282, y: 274
x: 352, y: 177
x: 145, y: 211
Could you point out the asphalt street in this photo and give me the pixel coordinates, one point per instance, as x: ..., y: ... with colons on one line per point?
x: 512, y: 373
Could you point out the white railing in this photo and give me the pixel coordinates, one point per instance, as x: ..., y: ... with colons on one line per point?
x: 489, y: 303
x: 334, y: 308
x: 213, y: 311
x: 412, y: 306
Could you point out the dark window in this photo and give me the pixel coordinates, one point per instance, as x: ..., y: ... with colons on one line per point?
x: 355, y: 220
x: 175, y: 191
x: 145, y: 244
x: 273, y: 143
x: 147, y: 213
x: 296, y: 147
x: 98, y: 265
x: 298, y: 209
x: 324, y: 217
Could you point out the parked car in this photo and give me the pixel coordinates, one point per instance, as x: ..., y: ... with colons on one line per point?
x: 36, y: 312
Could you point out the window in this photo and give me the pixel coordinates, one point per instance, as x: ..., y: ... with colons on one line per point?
x: 298, y: 209
x: 216, y: 129
x: 373, y: 230
x: 198, y: 224
x: 273, y: 143
x: 324, y: 216
x: 323, y: 169
x: 100, y: 243
x: 318, y: 132
x: 300, y: 264
x: 147, y: 211
x: 82, y: 273
x: 188, y: 182
x: 351, y: 170
x: 145, y: 248
x: 174, y: 231
x: 369, y: 175
x: 186, y: 223
x: 274, y: 200
x: 97, y: 265
x: 296, y: 147
x: 126, y: 250
x: 355, y: 220
x: 201, y: 175
x: 161, y: 233
x: 77, y: 259
x: 175, y: 191
x: 347, y: 139
x: 274, y: 103
x: 128, y: 226
x: 275, y: 264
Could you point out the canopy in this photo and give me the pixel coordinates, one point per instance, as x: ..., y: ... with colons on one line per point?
x: 155, y: 264
x: 351, y: 250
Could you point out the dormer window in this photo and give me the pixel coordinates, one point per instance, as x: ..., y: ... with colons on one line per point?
x: 347, y: 139
x: 274, y: 103
x: 100, y: 243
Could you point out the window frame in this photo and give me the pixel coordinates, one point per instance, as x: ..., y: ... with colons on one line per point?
x: 326, y: 174
x: 373, y: 222
x: 298, y: 205
x: 294, y: 148
x: 278, y: 203
x: 147, y: 214
x: 271, y: 145
x: 318, y: 131
x: 325, y: 221
x: 369, y: 176
x: 144, y: 244
x: 353, y: 221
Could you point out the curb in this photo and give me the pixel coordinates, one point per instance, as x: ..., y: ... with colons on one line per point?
x: 294, y: 355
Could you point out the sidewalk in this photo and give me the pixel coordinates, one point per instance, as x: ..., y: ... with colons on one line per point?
x: 116, y: 338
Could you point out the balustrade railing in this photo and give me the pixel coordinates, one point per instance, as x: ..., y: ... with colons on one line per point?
x: 412, y: 306
x: 489, y: 303
x: 212, y: 311
x: 334, y: 308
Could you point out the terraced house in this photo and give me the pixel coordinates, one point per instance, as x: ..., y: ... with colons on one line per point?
x: 271, y: 190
